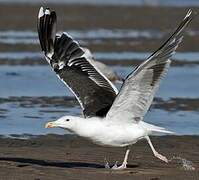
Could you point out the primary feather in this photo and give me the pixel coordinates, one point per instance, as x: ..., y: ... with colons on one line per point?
x: 140, y: 86
x: 92, y: 89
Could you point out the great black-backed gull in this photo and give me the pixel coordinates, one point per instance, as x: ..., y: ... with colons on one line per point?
x: 110, y: 117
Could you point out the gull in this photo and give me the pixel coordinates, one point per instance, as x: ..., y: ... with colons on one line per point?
x: 110, y: 117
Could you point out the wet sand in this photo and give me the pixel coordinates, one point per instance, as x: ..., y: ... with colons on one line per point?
x: 123, y: 62
x: 173, y: 104
x: 68, y: 157
x: 90, y: 16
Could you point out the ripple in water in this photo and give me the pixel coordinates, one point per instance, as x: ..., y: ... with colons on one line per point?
x: 186, y: 164
x: 31, y: 37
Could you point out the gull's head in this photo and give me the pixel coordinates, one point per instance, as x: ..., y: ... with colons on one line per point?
x: 66, y: 122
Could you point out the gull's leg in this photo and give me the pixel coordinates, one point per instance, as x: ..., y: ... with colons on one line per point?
x: 123, y: 166
x: 107, y: 166
x: 156, y: 154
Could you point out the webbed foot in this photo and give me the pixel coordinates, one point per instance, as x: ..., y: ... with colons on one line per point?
x: 123, y: 166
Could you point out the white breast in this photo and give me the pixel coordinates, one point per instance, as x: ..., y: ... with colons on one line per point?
x: 118, y: 135
x: 102, y: 132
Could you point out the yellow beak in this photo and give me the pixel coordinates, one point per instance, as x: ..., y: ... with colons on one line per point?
x: 49, y: 125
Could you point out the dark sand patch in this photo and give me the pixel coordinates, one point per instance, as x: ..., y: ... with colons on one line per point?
x: 110, y: 62
x: 42, y: 101
x: 68, y: 157
x: 90, y: 16
x: 173, y: 104
x: 177, y: 104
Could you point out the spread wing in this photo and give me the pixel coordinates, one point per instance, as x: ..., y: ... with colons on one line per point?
x: 138, y: 90
x: 92, y: 89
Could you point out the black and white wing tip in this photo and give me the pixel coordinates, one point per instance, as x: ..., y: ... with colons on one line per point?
x: 190, y: 13
x: 41, y: 12
x: 47, y: 31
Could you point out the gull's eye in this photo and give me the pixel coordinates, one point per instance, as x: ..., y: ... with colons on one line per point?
x: 67, y: 119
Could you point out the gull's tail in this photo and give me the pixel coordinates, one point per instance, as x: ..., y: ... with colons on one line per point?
x: 47, y: 29
x: 155, y: 129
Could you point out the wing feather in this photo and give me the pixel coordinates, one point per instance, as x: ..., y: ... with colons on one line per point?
x: 140, y: 86
x: 92, y: 89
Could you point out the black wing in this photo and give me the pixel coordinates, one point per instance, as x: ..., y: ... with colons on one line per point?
x: 93, y: 90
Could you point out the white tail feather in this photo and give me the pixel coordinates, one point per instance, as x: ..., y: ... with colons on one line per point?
x: 153, y: 128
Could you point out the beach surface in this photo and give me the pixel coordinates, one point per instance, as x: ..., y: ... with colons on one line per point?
x: 68, y: 157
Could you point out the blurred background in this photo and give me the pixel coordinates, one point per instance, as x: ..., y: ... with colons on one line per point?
x: 120, y: 34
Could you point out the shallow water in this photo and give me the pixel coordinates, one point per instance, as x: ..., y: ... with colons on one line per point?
x: 41, y: 80
x: 91, y: 35
x: 28, y: 99
x: 20, y: 114
x: 26, y: 37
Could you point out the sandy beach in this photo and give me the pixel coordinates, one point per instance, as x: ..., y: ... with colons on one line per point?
x: 69, y: 157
